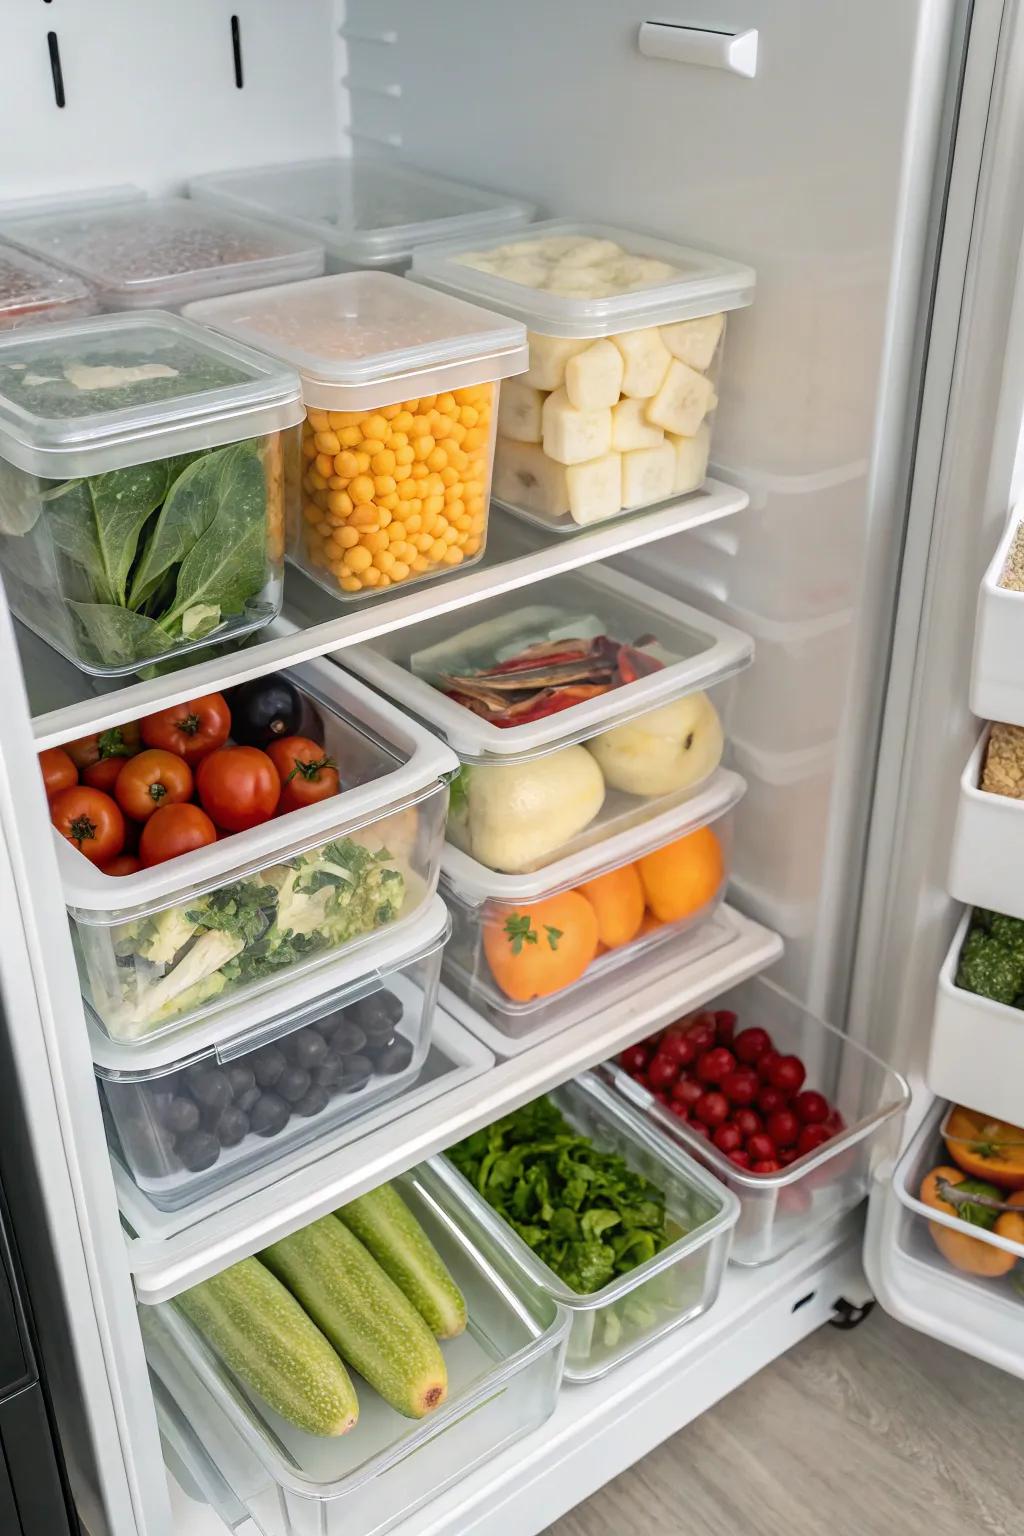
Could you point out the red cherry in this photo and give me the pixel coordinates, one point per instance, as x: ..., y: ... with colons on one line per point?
x: 725, y: 1025
x: 687, y: 1092
x: 835, y: 1123
x: 728, y: 1138
x: 681, y: 1110
x: 788, y: 1155
x: 740, y: 1158
x: 635, y: 1058
x: 702, y: 1035
x: 811, y: 1107
x: 662, y: 1098
x: 766, y: 1064
x: 812, y: 1137
x: 662, y: 1072
x: 699, y: 1128
x: 788, y: 1074
x: 760, y: 1146
x: 767, y: 1165
x: 678, y: 1048
x: 715, y: 1064
x: 769, y: 1100
x: 748, y: 1122
x: 750, y: 1044
x: 712, y: 1108
x: 741, y: 1086
x: 783, y: 1127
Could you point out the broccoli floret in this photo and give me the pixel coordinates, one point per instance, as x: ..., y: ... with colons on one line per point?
x: 989, y: 968
x: 1008, y: 931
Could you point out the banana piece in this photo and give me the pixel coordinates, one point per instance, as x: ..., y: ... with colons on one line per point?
x: 683, y: 400
x: 694, y: 341
x: 594, y: 378
x: 571, y: 436
x: 642, y: 271
x: 646, y: 360
x: 691, y: 455
x: 630, y: 427
x: 548, y: 357
x: 528, y: 271
x: 519, y: 408
x: 648, y: 475
x: 595, y: 488
x: 524, y: 476
x: 588, y: 252
x: 578, y: 282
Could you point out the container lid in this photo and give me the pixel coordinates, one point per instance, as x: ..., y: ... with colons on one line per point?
x: 33, y: 290
x: 359, y: 339
x: 267, y: 1016
x: 473, y: 883
x: 161, y: 252
x: 574, y: 279
x: 97, y: 394
x: 369, y: 213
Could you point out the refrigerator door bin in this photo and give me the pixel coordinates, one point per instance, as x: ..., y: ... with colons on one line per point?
x: 977, y: 1045
x: 997, y: 684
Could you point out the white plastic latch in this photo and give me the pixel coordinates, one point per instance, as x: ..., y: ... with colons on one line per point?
x: 735, y: 51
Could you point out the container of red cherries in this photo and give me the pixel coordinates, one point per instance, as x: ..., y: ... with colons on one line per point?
x: 784, y: 1109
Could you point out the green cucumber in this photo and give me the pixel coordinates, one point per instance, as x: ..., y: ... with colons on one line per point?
x: 385, y: 1225
x: 371, y: 1324
x: 260, y: 1331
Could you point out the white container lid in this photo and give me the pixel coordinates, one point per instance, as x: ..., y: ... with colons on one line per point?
x: 32, y: 291
x: 473, y: 883
x: 360, y: 339
x: 701, y: 284
x: 161, y: 252
x: 63, y: 413
x: 369, y: 213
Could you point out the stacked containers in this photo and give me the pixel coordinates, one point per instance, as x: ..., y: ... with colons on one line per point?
x: 145, y: 466
x: 615, y: 411
x: 401, y: 388
x: 33, y: 292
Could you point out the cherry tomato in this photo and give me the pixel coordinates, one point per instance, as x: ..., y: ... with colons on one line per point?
x: 306, y: 772
x: 239, y: 787
x: 662, y: 1072
x: 679, y: 1110
x: 662, y: 1098
x: 104, y: 773
x: 58, y: 771
x: 687, y: 1092
x: 788, y: 1075
x: 678, y: 1048
x: 712, y: 1108
x: 789, y: 1155
x: 741, y: 1158
x: 124, y: 864
x: 740, y: 1086
x: 173, y: 830
x: 634, y: 1059
x: 699, y: 1128
x: 91, y: 820
x: 727, y: 1138
x: 765, y: 1064
x: 760, y: 1146
x: 769, y: 1100
x: 116, y: 741
x: 702, y: 1034
x: 767, y: 1165
x: 151, y: 780
x: 748, y: 1122
x: 725, y: 1025
x: 190, y: 730
x: 811, y: 1107
x: 715, y: 1064
x: 835, y: 1122
x: 783, y: 1127
x: 749, y: 1044
x: 812, y: 1137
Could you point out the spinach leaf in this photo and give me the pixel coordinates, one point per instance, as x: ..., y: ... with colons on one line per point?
x: 97, y: 523
x: 228, y: 564
x: 117, y: 635
x: 195, y: 494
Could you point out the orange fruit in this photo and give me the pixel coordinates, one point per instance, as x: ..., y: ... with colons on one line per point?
x: 534, y: 950
x: 985, y: 1147
x: 684, y: 876
x: 649, y: 924
x: 618, y: 901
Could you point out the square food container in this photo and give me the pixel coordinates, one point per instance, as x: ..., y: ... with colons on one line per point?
x: 976, y: 1055
x: 145, y: 467
x: 34, y: 292
x: 527, y: 950
x: 158, y: 253
x: 184, y: 939
x: 194, y: 1112
x: 367, y: 213
x: 616, y: 410
x: 504, y: 1372
x: 778, y: 1210
x: 997, y: 684
x: 988, y: 842
x: 400, y: 387
x: 612, y: 1324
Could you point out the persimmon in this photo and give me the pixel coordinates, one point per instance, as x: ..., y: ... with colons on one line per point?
x: 536, y: 949
x: 986, y: 1148
x: 618, y: 902
x: 682, y: 877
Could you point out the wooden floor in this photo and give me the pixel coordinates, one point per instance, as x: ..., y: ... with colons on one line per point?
x: 875, y: 1432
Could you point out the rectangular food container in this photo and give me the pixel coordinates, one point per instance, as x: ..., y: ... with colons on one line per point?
x: 401, y: 388
x: 778, y: 1210
x: 504, y: 1372
x: 184, y: 939
x: 977, y: 1046
x: 367, y: 213
x: 616, y: 410
x: 529, y: 949
x: 997, y: 682
x: 191, y: 1113
x: 612, y: 1324
x: 34, y: 292
x: 988, y: 842
x: 934, y: 1238
x: 145, y: 468
x: 158, y: 253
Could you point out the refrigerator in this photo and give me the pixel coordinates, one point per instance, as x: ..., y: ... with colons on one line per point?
x: 866, y: 161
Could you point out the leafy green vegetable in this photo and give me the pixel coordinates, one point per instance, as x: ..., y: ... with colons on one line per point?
x: 97, y: 523
x: 47, y: 389
x: 992, y: 958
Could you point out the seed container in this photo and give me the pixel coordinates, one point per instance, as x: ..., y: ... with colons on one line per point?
x: 34, y: 292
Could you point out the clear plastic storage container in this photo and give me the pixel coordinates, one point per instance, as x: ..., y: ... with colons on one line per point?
x: 193, y: 1113
x: 778, y: 1210
x: 368, y: 213
x: 145, y: 469
x: 168, y: 945
x: 401, y: 389
x: 529, y: 949
x: 504, y: 1373
x: 611, y: 1324
x: 158, y: 253
x: 34, y: 292
x: 616, y: 410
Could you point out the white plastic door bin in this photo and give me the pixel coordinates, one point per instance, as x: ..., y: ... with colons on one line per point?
x: 977, y: 1045
x: 997, y: 680
x: 988, y: 843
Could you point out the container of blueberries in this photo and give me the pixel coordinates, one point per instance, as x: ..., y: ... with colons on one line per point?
x: 195, y: 1112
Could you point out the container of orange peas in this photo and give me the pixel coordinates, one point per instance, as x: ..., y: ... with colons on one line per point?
x: 540, y: 951
x: 400, y: 386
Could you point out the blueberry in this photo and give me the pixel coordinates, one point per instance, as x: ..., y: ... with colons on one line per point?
x: 307, y: 1048
x: 181, y: 1116
x: 348, y: 1039
x: 268, y: 1065
x: 378, y: 1013
x: 270, y: 1116
x: 358, y: 1071
x: 197, y: 1151
x: 233, y: 1126
x: 245, y: 1101
x: 241, y: 1078
x: 211, y: 1088
x: 330, y: 1071
x: 293, y: 1084
x: 314, y: 1102
x: 394, y: 1058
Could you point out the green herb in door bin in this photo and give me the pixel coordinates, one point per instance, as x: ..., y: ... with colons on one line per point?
x: 992, y: 958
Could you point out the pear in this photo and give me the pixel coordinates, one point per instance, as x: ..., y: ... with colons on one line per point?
x: 663, y: 751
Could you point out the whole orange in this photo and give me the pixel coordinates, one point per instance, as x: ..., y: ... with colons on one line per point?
x: 684, y: 876
x: 534, y: 950
x: 618, y: 900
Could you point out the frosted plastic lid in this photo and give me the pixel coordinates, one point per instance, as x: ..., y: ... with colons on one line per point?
x: 32, y: 291
x: 355, y: 335
x: 96, y: 394
x: 567, y: 279
x: 366, y: 212
x: 161, y: 252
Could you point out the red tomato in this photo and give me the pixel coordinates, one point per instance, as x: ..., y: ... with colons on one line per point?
x: 58, y: 771
x: 725, y: 1025
x: 712, y: 1108
x: 811, y: 1107
x: 239, y: 787
x: 767, y: 1165
x: 124, y: 864
x: 173, y: 830
x: 151, y: 780
x: 811, y: 1138
x: 91, y: 820
x: 306, y: 772
x: 765, y: 1064
x: 701, y: 1033
x: 741, y: 1086
x: 728, y: 1138
x: 687, y: 1092
x: 116, y: 741
x: 190, y: 730
x: 783, y: 1127
x: 104, y: 774
x: 770, y: 1099
x: 634, y: 1059
x: 749, y: 1044
x: 715, y: 1064
x: 678, y: 1048
x: 788, y: 1075
x: 741, y: 1158
x: 760, y: 1146
x: 662, y: 1072
x: 748, y: 1122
